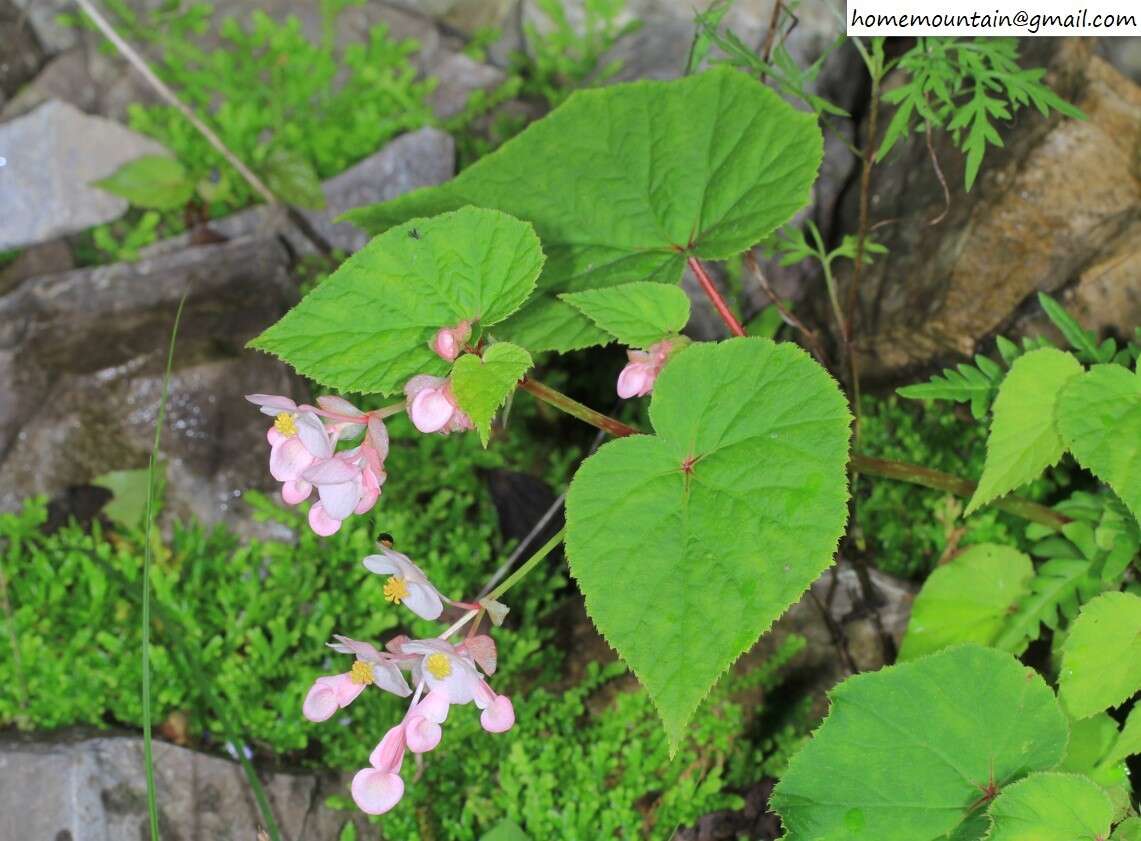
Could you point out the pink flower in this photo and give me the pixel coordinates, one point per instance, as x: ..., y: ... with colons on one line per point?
x: 448, y: 343
x: 637, y: 378
x: 407, y: 583
x: 333, y: 692
x: 432, y: 406
x: 297, y: 440
x: 450, y: 673
x: 378, y: 788
x: 348, y: 482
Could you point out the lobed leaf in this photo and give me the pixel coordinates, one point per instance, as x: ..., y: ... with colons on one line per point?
x: 622, y: 183
x: 688, y: 543
x: 905, y: 752
x: 366, y: 328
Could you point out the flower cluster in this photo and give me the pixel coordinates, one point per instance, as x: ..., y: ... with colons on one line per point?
x: 443, y: 674
x: 303, y: 456
x: 637, y: 378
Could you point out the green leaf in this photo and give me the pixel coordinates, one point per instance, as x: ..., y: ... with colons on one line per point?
x: 623, y: 183
x: 688, y: 544
x: 128, y: 490
x: 1051, y: 807
x: 953, y: 607
x: 1099, y: 416
x: 1090, y: 741
x: 637, y: 314
x: 1127, y: 830
x: 1101, y: 658
x: 293, y: 179
x: 1129, y: 741
x: 1081, y: 340
x: 906, y: 751
x: 152, y: 181
x: 1023, y: 439
x: 481, y: 386
x: 367, y: 327
x: 1056, y: 591
x: 506, y: 831
x: 966, y: 385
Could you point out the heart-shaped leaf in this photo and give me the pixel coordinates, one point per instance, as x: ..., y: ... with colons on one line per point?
x: 1099, y: 415
x: 1101, y: 658
x: 1024, y: 438
x: 688, y: 543
x: 908, y: 753
x: 366, y: 328
x: 624, y: 182
x: 1051, y: 807
x: 481, y: 385
x: 952, y: 607
x: 636, y: 314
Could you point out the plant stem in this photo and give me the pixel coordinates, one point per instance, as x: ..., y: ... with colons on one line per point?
x: 940, y: 481
x: 527, y: 566
x: 572, y: 407
x: 148, y: 747
x: 722, y: 308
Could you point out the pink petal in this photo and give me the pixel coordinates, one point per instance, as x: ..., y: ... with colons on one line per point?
x: 348, y: 645
x: 499, y: 717
x: 271, y: 404
x: 314, y: 435
x: 483, y: 695
x: 420, y: 382
x: 332, y: 471
x: 482, y: 649
x: 370, y: 492
x: 289, y: 460
x: 339, y: 500
x: 321, y: 522
x: 424, y: 601
x: 296, y: 491
x: 345, y: 688
x: 275, y: 438
x: 434, y: 707
x: 320, y: 702
x: 387, y: 676
x: 376, y: 792
x: 339, y: 406
x: 636, y: 380
x: 431, y: 410
x: 421, y: 735
x: 388, y: 755
x: 378, y: 441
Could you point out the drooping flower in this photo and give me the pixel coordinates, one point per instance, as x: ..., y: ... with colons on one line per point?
x: 297, y: 440
x: 448, y: 343
x: 451, y: 673
x: 432, y: 406
x: 378, y: 788
x: 407, y: 583
x: 637, y: 378
x: 330, y: 693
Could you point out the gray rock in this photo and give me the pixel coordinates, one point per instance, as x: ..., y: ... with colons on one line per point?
x: 22, y: 55
x: 93, y: 789
x: 89, y: 79
x: 1058, y: 200
x: 418, y: 159
x: 46, y: 258
x: 81, y: 362
x: 458, y: 77
x: 51, y: 156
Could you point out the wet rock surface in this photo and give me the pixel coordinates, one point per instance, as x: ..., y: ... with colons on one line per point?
x: 51, y: 157
x: 1059, y: 201
x: 81, y: 363
x: 90, y: 787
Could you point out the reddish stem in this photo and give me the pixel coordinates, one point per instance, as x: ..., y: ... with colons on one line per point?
x: 722, y: 308
x: 572, y: 407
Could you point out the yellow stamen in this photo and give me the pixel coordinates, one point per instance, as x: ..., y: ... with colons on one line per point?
x: 361, y: 672
x: 439, y: 665
x: 395, y: 590
x: 284, y: 424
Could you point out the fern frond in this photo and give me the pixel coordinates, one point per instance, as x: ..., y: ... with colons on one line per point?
x: 1057, y: 591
